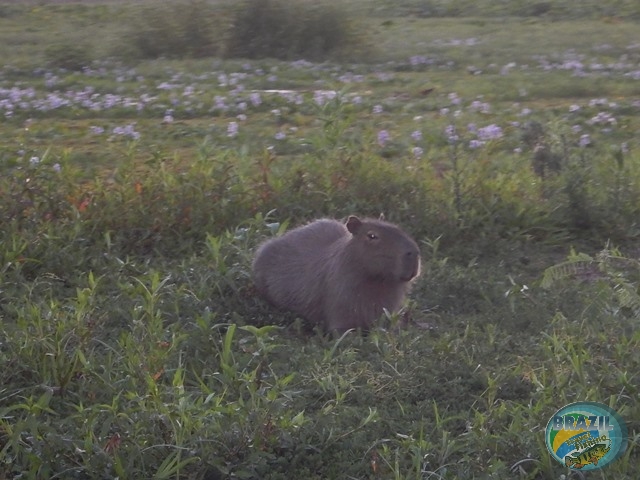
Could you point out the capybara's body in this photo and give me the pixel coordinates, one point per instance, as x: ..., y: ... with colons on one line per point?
x: 338, y: 276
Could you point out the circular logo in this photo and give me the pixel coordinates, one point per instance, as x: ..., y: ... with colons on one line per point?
x: 586, y: 435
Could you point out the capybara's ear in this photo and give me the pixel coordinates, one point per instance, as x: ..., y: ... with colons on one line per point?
x: 353, y: 224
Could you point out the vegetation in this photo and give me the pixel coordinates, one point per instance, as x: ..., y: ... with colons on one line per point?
x: 133, y: 194
x: 291, y: 30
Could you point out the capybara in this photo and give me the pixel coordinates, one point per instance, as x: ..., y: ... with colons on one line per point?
x: 336, y: 275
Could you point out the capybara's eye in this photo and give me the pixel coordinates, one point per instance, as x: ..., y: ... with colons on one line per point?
x: 372, y: 236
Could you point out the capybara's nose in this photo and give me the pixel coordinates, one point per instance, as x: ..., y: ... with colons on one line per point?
x: 411, y: 255
x: 411, y: 261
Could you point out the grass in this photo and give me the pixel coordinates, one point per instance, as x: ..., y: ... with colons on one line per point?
x: 133, y: 343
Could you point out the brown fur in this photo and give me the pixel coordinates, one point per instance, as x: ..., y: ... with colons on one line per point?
x: 336, y: 275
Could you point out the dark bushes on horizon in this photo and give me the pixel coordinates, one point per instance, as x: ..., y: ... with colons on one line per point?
x: 252, y: 29
x: 290, y: 30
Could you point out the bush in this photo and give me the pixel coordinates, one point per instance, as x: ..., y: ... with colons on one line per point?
x: 290, y: 30
x: 252, y: 29
x: 70, y: 55
x: 175, y: 30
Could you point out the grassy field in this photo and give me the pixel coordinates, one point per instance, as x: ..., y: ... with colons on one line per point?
x: 134, y: 191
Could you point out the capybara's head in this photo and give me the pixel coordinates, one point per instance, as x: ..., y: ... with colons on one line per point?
x: 382, y: 250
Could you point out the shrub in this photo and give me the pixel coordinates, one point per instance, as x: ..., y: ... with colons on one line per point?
x: 71, y: 55
x: 290, y: 30
x: 173, y: 30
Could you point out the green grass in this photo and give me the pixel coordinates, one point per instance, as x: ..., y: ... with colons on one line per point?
x: 132, y: 341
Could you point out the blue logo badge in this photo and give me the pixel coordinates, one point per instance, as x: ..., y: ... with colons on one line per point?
x: 586, y: 435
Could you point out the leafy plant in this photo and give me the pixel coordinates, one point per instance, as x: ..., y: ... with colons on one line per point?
x: 615, y: 279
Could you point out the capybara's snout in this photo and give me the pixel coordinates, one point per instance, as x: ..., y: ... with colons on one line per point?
x: 410, y: 264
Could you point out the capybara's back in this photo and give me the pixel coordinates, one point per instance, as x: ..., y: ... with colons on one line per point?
x: 286, y: 270
x: 339, y: 276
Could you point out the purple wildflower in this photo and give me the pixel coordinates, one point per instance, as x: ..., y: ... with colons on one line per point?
x: 218, y: 103
x: 454, y: 99
x: 585, y: 140
x: 168, y: 117
x: 602, y: 118
x: 232, y: 129
x: 383, y: 137
x: 127, y: 131
x: 452, y: 134
x: 323, y: 96
x: 506, y: 68
x: 255, y: 99
x: 490, y: 132
x: 478, y: 106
